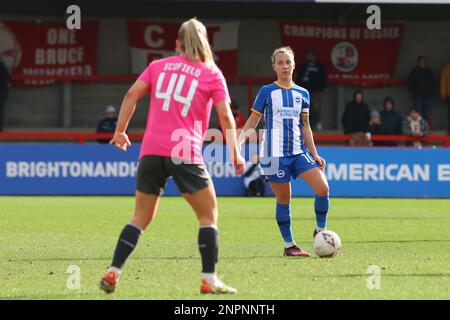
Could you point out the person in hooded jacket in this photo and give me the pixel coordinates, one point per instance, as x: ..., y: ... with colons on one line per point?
x: 356, y: 120
x: 390, y: 123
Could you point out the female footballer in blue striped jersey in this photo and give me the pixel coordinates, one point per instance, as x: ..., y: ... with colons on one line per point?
x: 289, y: 145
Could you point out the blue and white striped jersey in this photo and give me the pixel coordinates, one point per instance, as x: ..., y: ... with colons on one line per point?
x: 282, y: 107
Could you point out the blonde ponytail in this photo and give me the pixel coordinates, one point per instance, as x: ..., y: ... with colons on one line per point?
x: 193, y: 38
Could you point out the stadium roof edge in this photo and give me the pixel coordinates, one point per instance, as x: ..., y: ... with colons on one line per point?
x: 212, y: 9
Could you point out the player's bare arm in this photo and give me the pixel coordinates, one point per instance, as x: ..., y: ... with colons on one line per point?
x: 136, y: 92
x: 228, y: 126
x: 309, y: 140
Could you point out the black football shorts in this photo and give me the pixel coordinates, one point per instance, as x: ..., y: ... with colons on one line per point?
x: 153, y: 172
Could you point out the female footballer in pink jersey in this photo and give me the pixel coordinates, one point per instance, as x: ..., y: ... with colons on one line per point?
x: 183, y: 89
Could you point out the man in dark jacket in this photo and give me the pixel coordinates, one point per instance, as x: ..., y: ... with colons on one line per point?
x: 390, y: 123
x: 4, y: 83
x: 356, y: 117
x: 356, y: 120
x: 108, y: 123
x: 421, y: 84
x: 312, y: 75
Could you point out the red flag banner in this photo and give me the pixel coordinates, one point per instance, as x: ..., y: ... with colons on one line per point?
x: 48, y: 49
x: 349, y: 52
x: 153, y: 40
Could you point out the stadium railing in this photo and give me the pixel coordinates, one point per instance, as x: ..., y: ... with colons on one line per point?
x: 212, y: 136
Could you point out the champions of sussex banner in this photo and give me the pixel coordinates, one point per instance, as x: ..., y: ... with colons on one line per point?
x: 153, y: 40
x: 48, y: 49
x: 350, y: 52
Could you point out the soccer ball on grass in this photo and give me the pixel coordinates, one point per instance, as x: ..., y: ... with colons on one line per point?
x: 326, y: 244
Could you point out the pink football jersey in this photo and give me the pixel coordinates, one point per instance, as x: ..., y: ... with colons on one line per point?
x: 181, y: 96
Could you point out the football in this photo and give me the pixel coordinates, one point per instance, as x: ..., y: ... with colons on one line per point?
x: 326, y: 244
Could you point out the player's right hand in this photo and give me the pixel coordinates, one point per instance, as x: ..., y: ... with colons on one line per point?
x: 320, y: 162
x: 239, y: 164
x: 120, y: 139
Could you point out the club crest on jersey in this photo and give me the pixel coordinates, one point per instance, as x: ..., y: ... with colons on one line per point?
x: 297, y: 99
x: 280, y: 173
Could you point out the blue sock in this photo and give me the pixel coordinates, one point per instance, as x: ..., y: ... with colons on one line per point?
x: 283, y: 215
x: 321, y: 205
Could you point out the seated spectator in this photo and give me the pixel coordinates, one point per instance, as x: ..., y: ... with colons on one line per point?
x: 390, y: 123
x: 108, y: 123
x: 416, y: 126
x: 253, y: 178
x: 356, y: 120
x: 374, y: 121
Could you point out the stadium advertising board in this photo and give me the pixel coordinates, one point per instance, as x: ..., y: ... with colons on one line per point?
x: 52, y: 169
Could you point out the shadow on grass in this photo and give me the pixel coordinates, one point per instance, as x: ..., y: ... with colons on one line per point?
x: 48, y: 296
x: 100, y: 295
x: 102, y: 259
x: 339, y: 218
x: 365, y: 275
x: 396, y: 241
x: 145, y: 258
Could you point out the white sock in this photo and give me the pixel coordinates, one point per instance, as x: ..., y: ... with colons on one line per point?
x: 289, y: 244
x: 211, y: 278
x: 117, y: 271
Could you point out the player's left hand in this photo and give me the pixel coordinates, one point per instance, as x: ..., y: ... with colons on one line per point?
x: 320, y: 162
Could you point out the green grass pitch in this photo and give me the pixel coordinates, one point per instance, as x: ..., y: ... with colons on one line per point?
x: 408, y: 239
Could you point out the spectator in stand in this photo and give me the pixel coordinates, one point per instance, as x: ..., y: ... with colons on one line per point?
x: 4, y: 87
x: 253, y: 178
x: 416, y: 126
x: 375, y: 121
x: 312, y: 75
x: 108, y: 123
x: 445, y: 91
x: 421, y: 84
x: 356, y: 120
x: 390, y: 123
